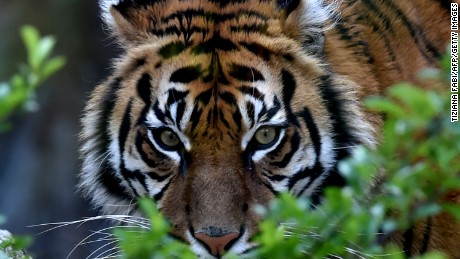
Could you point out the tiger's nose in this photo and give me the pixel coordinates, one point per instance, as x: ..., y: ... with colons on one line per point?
x: 217, y: 244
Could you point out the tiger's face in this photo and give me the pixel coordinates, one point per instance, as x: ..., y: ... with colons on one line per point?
x: 215, y: 107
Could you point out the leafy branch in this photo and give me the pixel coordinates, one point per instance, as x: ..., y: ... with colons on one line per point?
x: 19, y: 92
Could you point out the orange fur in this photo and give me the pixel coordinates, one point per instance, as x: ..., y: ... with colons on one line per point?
x: 319, y: 67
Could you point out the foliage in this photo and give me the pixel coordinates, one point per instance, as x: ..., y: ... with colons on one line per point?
x: 12, y: 246
x: 419, y: 152
x: 154, y: 243
x: 19, y: 92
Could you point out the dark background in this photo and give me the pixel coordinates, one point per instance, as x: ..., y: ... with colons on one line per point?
x: 39, y: 159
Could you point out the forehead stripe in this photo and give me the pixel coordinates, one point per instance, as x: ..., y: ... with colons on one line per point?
x: 186, y: 74
x: 212, y: 16
x: 244, y: 73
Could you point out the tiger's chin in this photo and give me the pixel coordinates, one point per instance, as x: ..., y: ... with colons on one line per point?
x: 220, y: 246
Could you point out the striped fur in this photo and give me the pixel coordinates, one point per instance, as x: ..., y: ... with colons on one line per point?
x: 214, y: 73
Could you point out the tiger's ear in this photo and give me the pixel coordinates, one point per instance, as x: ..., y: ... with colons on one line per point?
x: 306, y: 21
x: 128, y: 20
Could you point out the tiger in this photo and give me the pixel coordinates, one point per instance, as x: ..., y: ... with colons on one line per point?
x: 214, y: 106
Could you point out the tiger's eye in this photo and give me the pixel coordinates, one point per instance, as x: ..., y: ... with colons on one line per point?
x: 169, y: 138
x: 265, y: 135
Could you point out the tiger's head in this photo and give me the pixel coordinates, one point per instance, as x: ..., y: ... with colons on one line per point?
x: 215, y: 106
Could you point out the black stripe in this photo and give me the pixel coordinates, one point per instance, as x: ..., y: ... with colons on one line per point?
x: 426, y: 235
x: 180, y: 112
x: 123, y: 133
x: 138, y: 63
x: 270, y: 188
x: 223, y: 119
x: 175, y: 96
x: 224, y: 3
x: 144, y: 156
x: 254, y: 28
x: 160, y: 194
x: 237, y: 118
x: 186, y: 159
x: 276, y: 152
x: 158, y: 113
x: 257, y: 49
x: 140, y: 140
x: 196, y: 117
x: 416, y: 33
x: 408, y: 241
x: 205, y: 97
x: 314, y: 132
x: 334, y: 178
x: 289, y: 87
x: 106, y: 107
x: 106, y: 175
x: 345, y: 35
x: 295, y: 143
x: 108, y: 179
x: 318, y: 169
x: 288, y: 5
x: 213, y: 17
x: 124, y: 6
x: 186, y: 74
x: 228, y: 98
x: 446, y: 4
x: 244, y: 73
x: 273, y: 110
x: 144, y: 88
x: 250, y: 111
x: 209, y: 117
x: 313, y: 173
x: 218, y: 43
x: 337, y: 109
x: 253, y: 91
x: 338, y: 112
x: 275, y: 177
x: 387, y: 42
x: 140, y: 178
x: 166, y: 31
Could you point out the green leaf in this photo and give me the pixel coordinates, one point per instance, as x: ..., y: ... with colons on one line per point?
x: 453, y: 209
x: 31, y: 39
x: 415, y: 98
x: 44, y: 49
x: 21, y: 242
x: 380, y: 104
x: 51, y: 66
